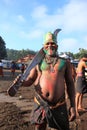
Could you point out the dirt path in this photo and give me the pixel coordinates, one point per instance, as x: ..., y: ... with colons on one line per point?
x: 15, y: 111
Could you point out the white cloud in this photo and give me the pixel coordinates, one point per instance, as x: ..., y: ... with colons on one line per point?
x: 31, y: 35
x: 68, y: 44
x: 85, y: 42
x: 7, y: 2
x: 71, y: 17
x: 5, y: 27
x: 75, y: 16
x: 39, y: 12
x: 21, y: 18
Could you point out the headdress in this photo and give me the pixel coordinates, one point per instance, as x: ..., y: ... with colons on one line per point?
x: 51, y: 37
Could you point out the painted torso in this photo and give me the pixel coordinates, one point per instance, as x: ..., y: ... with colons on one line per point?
x: 51, y: 80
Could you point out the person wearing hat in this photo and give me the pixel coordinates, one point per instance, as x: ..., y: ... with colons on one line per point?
x: 48, y: 78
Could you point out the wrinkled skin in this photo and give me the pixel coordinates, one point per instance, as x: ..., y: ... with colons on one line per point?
x: 52, y: 83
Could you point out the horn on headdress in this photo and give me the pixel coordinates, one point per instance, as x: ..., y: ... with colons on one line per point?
x: 56, y: 32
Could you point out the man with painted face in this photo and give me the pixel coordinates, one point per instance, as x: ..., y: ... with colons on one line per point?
x: 49, y: 79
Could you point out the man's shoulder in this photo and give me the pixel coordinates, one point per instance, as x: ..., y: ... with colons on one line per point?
x: 62, y: 61
x: 81, y: 64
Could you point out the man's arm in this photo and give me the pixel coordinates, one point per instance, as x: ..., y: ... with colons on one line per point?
x: 12, y: 90
x: 70, y: 84
x: 70, y: 90
x: 31, y: 78
x: 84, y: 59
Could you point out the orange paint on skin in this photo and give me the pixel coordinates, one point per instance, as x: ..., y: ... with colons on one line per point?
x: 50, y: 83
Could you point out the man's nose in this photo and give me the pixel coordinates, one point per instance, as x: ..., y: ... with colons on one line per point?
x: 50, y: 47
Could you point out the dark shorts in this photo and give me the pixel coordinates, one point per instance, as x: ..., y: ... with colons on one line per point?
x: 81, y: 85
x: 55, y: 118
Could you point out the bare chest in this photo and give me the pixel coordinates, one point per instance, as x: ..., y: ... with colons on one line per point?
x: 53, y: 67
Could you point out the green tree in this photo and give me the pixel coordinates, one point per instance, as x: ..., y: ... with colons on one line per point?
x: 80, y: 53
x: 3, y: 52
x: 17, y: 54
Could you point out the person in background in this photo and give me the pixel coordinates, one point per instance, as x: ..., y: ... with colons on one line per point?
x: 13, y: 68
x: 81, y: 83
x: 48, y: 78
x: 22, y: 68
x: 1, y: 69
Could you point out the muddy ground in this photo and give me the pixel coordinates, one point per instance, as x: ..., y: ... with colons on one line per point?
x: 15, y: 111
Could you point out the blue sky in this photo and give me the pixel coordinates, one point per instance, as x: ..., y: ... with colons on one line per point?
x: 23, y: 23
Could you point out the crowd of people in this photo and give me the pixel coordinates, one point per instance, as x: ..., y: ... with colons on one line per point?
x: 12, y: 68
x: 52, y: 78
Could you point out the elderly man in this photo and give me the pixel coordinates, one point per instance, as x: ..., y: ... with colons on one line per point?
x: 49, y: 79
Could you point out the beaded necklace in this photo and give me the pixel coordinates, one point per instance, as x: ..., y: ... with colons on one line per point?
x: 51, y: 61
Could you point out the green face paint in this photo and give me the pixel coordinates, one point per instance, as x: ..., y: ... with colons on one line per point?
x: 62, y: 64
x: 45, y: 51
x: 50, y: 52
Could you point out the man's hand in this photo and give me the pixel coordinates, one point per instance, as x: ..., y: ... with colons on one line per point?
x: 12, y: 90
x: 17, y: 79
x: 72, y: 114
